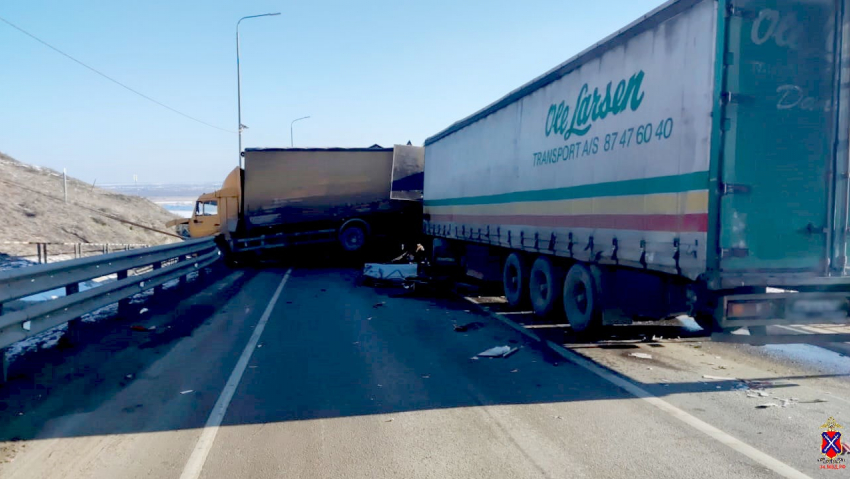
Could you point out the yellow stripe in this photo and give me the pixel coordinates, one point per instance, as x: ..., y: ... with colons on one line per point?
x: 656, y: 204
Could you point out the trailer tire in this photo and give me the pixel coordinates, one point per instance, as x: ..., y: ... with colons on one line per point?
x: 352, y: 236
x: 545, y: 281
x: 515, y: 280
x: 581, y: 299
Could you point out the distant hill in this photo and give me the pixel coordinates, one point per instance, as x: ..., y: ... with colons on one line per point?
x: 32, y: 209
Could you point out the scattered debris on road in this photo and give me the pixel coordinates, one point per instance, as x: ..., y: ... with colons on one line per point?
x: 129, y: 376
x: 497, y: 352
x: 143, y: 310
x: 462, y: 328
x: 187, y: 391
x: 388, y: 420
x: 397, y: 273
x: 767, y: 405
x: 757, y: 394
x: 641, y: 355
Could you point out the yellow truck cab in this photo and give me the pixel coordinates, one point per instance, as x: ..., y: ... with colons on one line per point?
x: 217, y: 212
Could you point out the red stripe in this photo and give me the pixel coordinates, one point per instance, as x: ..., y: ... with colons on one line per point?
x: 689, y: 223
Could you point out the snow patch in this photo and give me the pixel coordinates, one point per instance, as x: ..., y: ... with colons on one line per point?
x: 45, y: 340
x: 809, y: 355
x: 688, y: 323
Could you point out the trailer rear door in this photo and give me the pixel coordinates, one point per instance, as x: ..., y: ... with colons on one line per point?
x: 778, y: 137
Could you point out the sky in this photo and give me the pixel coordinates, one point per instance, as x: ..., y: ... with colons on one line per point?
x: 373, y: 71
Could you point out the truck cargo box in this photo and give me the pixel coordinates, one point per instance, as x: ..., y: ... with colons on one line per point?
x: 291, y: 186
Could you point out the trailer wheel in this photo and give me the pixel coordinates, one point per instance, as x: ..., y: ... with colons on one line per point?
x: 545, y: 281
x: 515, y: 280
x: 580, y: 298
x: 353, y: 237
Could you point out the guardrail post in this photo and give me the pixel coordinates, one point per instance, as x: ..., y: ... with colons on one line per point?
x: 159, y: 289
x: 124, y: 304
x: 4, y: 367
x: 73, y: 335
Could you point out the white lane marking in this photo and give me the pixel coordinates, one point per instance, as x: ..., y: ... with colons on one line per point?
x: 193, y: 467
x: 770, y: 462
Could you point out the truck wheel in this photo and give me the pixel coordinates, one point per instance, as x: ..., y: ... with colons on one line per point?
x: 515, y: 280
x: 353, y: 237
x: 581, y: 299
x: 545, y: 281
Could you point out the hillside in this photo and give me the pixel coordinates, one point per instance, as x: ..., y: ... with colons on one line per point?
x: 32, y: 209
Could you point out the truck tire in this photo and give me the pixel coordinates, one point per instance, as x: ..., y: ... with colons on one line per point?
x: 352, y: 237
x: 545, y: 281
x: 515, y: 280
x: 581, y: 299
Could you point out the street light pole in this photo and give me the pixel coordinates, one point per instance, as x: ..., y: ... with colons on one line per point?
x: 291, y: 141
x: 240, y: 127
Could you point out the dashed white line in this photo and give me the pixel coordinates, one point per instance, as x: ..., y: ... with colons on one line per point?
x: 195, y: 464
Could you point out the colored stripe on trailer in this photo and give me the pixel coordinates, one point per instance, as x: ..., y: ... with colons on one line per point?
x: 687, y: 223
x: 690, y: 202
x: 643, y: 186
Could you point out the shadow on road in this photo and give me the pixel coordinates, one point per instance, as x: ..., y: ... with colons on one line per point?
x: 332, y: 349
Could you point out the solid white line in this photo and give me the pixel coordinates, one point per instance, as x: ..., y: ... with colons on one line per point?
x: 770, y: 462
x: 196, y: 461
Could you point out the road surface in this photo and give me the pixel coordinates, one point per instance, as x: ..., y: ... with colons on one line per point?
x: 304, y: 373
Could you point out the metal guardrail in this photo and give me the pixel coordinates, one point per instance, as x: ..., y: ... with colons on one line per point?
x: 168, y: 262
x: 80, y: 250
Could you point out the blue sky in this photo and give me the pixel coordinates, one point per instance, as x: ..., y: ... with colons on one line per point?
x: 366, y: 72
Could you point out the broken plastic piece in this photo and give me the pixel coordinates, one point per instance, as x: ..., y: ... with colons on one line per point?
x: 497, y: 352
x: 641, y: 355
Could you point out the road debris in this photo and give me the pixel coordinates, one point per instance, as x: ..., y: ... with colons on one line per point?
x: 515, y: 371
x: 767, y: 405
x: 718, y: 378
x: 187, y: 391
x: 641, y: 355
x: 496, y: 352
x: 462, y: 328
x: 143, y: 310
x: 142, y: 329
x: 129, y: 376
x: 390, y: 272
x: 757, y: 394
x: 388, y: 420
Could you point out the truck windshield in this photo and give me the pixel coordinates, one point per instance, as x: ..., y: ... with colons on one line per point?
x: 206, y: 208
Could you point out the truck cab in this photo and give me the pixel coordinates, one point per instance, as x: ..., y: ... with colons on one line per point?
x: 218, y: 212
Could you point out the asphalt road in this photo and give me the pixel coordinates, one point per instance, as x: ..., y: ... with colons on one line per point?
x: 341, y: 380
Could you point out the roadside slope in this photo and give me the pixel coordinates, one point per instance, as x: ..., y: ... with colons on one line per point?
x: 32, y: 209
